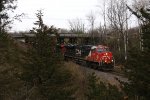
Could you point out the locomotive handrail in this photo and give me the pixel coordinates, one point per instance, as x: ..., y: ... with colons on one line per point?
x: 114, y: 60
x: 100, y: 62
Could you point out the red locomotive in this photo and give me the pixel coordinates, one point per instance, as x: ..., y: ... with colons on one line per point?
x: 94, y: 56
x: 101, y: 57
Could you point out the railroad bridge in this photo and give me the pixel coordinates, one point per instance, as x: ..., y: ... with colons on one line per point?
x: 61, y: 38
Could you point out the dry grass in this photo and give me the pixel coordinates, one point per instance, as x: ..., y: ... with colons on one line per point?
x: 79, y: 79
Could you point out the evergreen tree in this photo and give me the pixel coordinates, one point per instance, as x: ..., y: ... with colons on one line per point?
x: 5, y: 6
x: 139, y: 63
x: 44, y: 73
x: 100, y: 91
x: 10, y: 59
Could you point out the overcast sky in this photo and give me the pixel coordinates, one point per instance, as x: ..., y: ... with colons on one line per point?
x: 56, y: 12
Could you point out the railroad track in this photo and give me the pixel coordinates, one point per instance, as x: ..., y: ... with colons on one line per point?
x: 112, y: 77
x: 117, y: 73
x: 83, y: 64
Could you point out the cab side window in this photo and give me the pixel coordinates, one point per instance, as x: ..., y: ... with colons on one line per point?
x: 100, y: 50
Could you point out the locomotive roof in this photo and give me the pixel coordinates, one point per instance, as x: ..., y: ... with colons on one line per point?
x: 99, y: 46
x: 93, y: 47
x: 102, y: 46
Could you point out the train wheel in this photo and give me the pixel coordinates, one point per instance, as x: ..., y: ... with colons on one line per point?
x: 100, y: 68
x: 65, y: 58
x: 88, y: 64
x: 95, y: 65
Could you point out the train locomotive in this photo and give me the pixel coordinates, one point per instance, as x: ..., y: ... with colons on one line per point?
x: 98, y: 57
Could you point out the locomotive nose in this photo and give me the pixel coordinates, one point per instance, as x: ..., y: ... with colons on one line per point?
x: 107, y: 57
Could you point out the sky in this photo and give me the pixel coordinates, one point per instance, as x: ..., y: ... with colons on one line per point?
x: 56, y: 12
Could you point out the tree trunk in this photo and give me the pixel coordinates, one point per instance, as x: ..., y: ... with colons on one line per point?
x: 125, y: 47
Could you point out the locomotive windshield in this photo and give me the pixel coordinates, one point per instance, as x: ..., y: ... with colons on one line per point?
x: 102, y: 49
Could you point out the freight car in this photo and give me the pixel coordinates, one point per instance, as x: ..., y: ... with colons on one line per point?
x: 98, y: 56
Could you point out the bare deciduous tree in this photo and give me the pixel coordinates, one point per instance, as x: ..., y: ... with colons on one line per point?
x: 137, y: 5
x: 118, y: 17
x: 91, y: 19
x: 77, y: 26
